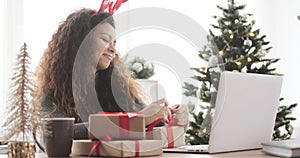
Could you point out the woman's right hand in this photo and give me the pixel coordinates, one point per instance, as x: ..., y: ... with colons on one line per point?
x: 157, y: 110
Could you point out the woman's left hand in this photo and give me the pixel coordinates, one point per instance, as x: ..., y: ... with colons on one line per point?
x: 180, y: 113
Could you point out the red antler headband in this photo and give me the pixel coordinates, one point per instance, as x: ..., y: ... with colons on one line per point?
x: 109, y: 4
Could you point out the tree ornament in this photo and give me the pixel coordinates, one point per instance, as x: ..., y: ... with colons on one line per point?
x: 251, y: 34
x: 248, y: 42
x: 148, y: 65
x: 213, y: 89
x: 249, y: 60
x: 221, y: 52
x: 261, y: 53
x: 213, y: 60
x: 236, y: 21
x: 225, y: 31
x: 239, y: 63
x: 231, y: 36
x: 226, y: 23
x: 137, y: 67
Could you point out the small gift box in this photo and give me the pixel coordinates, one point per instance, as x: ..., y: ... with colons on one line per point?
x: 117, y: 148
x: 170, y: 136
x: 117, y: 125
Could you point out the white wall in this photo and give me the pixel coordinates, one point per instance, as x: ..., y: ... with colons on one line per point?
x: 275, y: 18
x: 287, y: 31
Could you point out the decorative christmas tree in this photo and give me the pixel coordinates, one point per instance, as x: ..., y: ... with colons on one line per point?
x: 238, y: 47
x: 23, y: 118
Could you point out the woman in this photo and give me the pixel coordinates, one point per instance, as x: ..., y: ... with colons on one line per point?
x: 80, y: 64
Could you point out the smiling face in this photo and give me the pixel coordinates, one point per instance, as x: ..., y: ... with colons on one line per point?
x: 105, y: 43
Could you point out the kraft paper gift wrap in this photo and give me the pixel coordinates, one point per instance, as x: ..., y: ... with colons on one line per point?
x: 117, y: 125
x: 117, y: 148
x: 170, y: 136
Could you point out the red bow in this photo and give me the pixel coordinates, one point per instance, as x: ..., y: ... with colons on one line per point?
x: 97, y: 145
x: 109, y: 4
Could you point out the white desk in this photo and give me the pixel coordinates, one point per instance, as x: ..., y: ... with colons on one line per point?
x: 241, y: 154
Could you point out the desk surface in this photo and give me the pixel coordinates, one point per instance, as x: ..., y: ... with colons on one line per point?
x: 249, y: 153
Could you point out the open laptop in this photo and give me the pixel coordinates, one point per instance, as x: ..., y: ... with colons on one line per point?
x: 245, y: 113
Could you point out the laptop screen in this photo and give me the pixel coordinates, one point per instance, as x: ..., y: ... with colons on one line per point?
x: 245, y: 113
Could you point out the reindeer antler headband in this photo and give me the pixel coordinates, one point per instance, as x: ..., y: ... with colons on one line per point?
x: 109, y: 4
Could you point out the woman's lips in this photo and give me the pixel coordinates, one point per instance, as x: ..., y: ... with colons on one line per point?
x: 109, y: 56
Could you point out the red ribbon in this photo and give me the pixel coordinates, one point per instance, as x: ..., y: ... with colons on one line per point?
x: 137, y: 148
x: 109, y: 4
x: 149, y: 130
x: 96, y: 147
x: 124, y: 121
x: 124, y: 125
x: 170, y: 137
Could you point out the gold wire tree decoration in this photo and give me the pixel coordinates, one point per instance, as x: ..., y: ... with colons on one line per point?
x: 23, y: 117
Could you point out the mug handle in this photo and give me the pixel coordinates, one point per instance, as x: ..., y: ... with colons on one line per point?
x: 37, y: 142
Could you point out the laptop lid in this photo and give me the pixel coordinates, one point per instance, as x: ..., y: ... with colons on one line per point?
x: 245, y: 112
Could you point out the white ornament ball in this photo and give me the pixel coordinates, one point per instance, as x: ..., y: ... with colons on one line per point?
x: 148, y: 65
x: 213, y: 60
x: 137, y: 67
x: 261, y: 53
x: 248, y: 42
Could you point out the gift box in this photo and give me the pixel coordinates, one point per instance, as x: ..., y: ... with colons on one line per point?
x: 170, y: 136
x: 117, y: 126
x: 117, y: 148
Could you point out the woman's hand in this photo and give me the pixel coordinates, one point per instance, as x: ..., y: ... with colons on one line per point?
x: 180, y: 114
x: 157, y: 110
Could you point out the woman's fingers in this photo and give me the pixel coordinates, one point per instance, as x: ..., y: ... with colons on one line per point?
x: 181, y: 113
x: 175, y: 108
x: 157, y: 110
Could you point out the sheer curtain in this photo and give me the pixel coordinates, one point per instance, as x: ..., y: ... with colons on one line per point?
x: 11, y: 39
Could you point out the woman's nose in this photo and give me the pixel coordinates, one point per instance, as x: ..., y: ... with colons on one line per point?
x: 112, y: 47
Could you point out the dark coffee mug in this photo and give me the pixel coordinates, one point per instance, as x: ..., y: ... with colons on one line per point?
x: 57, y: 136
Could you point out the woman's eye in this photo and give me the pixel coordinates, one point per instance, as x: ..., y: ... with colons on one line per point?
x: 105, y: 40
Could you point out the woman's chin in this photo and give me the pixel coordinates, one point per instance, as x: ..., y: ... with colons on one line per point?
x: 102, y: 67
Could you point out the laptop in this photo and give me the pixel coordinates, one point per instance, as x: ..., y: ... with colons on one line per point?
x: 245, y: 113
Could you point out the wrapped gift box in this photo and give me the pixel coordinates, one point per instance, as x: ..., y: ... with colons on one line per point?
x: 117, y: 148
x: 117, y: 126
x: 170, y: 136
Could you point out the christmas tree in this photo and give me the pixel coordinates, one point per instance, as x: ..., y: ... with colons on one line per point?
x: 236, y: 47
x: 23, y: 117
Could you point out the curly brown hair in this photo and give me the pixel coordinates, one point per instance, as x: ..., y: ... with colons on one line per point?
x: 65, y: 72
